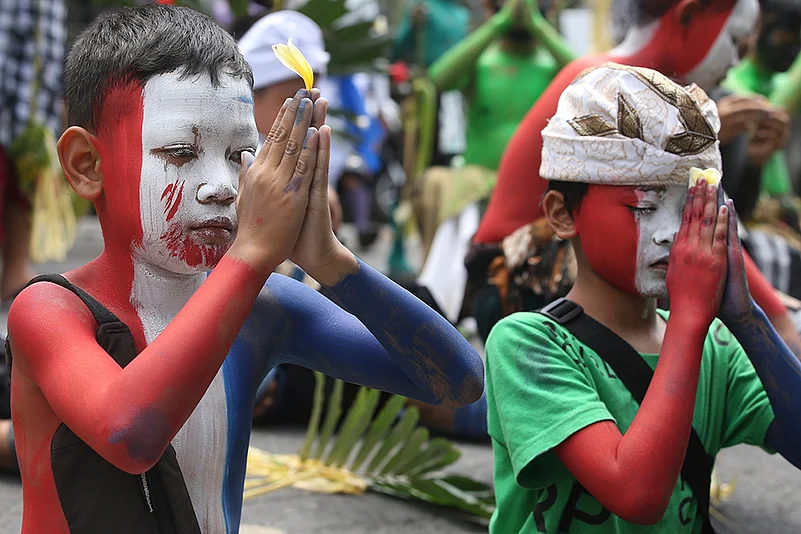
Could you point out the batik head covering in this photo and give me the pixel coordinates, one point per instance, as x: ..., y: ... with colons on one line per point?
x: 622, y: 125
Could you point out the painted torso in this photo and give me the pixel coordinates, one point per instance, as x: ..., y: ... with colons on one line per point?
x: 200, y: 445
x: 493, y: 120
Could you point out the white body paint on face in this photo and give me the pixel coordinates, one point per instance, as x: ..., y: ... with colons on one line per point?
x: 724, y: 52
x: 658, y: 219
x: 192, y: 133
x: 192, y: 137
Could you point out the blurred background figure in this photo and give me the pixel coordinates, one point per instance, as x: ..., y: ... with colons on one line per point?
x: 502, y: 68
x: 770, y: 52
x: 756, y: 115
x: 32, y: 45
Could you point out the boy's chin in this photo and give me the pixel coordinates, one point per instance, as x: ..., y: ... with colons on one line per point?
x: 653, y: 290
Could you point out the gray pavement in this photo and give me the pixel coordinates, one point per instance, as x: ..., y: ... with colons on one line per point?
x: 767, y: 498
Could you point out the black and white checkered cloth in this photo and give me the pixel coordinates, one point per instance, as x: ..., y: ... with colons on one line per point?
x: 779, y: 262
x: 18, y: 22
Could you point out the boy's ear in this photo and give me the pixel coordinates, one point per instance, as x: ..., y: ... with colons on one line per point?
x: 80, y: 160
x: 559, y: 218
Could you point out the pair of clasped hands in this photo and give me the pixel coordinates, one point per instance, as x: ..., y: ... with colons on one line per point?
x: 520, y: 13
x: 706, y: 274
x: 282, y: 205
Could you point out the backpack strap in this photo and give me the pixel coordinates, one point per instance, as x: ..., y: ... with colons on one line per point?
x: 102, y: 315
x: 636, y: 375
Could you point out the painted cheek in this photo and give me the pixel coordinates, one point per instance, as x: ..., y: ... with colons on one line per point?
x: 172, y: 196
x: 608, y: 234
x: 119, y: 141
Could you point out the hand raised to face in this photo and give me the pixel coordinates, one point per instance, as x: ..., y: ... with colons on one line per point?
x: 274, y: 188
x: 697, y: 270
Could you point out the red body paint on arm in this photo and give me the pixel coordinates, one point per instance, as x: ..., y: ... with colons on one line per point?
x: 129, y: 415
x: 633, y: 475
x: 764, y: 294
x: 516, y: 199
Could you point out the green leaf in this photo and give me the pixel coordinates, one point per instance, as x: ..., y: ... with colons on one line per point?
x: 442, y: 492
x: 439, y: 454
x: 324, y: 12
x: 352, y: 32
x: 332, y: 416
x: 380, y: 426
x: 406, y: 452
x: 317, y: 412
x: 398, y: 434
x: 356, y: 421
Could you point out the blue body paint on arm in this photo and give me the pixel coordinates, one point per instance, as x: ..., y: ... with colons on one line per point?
x: 424, y: 344
x: 780, y: 372
x: 390, y: 341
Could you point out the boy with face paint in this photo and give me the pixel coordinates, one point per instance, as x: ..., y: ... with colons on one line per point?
x: 133, y: 376
x: 573, y: 451
x: 689, y: 41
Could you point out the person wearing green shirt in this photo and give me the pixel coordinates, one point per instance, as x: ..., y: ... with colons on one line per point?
x: 776, y: 45
x: 574, y: 452
x: 516, y: 52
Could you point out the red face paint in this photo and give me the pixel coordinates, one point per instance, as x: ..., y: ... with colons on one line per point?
x: 119, y: 140
x: 182, y: 246
x: 608, y: 234
x: 174, y: 194
x: 676, y: 49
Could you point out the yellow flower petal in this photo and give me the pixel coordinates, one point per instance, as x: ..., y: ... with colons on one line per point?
x: 712, y: 176
x: 292, y: 58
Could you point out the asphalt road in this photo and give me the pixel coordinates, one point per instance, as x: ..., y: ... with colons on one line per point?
x: 766, y: 500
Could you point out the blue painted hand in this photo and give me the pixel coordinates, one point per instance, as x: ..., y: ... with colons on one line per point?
x: 737, y: 303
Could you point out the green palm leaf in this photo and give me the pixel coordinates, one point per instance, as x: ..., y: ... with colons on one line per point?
x: 400, y: 459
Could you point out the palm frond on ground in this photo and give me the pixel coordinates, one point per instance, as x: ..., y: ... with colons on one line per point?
x: 385, y: 452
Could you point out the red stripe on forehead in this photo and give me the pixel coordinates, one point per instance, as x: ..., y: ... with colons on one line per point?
x: 119, y: 140
x: 609, y: 234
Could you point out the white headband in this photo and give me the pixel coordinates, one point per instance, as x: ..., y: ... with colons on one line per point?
x: 630, y: 126
x: 279, y: 27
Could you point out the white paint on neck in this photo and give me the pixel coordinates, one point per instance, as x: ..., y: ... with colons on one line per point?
x: 636, y: 39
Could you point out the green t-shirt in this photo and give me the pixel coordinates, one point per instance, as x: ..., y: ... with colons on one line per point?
x: 747, y: 79
x: 543, y: 385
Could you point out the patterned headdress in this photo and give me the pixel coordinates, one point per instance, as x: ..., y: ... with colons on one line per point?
x: 622, y: 125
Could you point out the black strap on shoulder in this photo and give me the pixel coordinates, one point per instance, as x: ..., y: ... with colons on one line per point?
x: 636, y: 375
x: 101, y: 314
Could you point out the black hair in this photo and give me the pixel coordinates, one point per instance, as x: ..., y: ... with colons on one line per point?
x: 792, y: 6
x: 136, y: 43
x: 572, y: 192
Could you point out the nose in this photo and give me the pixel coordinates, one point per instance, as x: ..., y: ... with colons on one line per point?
x: 222, y: 193
x: 665, y: 234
